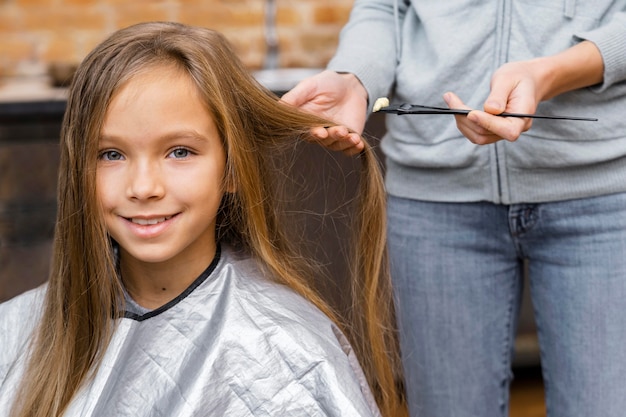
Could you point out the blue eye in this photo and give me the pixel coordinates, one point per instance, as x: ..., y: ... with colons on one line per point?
x: 180, y: 153
x: 111, y: 156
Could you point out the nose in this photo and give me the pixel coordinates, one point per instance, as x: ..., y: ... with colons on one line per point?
x: 145, y: 181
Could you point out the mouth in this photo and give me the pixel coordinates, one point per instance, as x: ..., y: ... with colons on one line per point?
x: 148, y: 221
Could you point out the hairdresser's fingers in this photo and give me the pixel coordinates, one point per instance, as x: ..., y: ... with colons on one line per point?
x: 475, y: 126
x: 338, y: 138
x: 507, y: 128
x: 319, y: 133
x: 339, y: 97
x: 347, y: 141
x: 305, y: 91
x: 469, y: 129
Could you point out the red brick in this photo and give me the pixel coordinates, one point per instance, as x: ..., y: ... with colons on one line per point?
x: 17, y: 49
x: 220, y: 17
x: 39, y: 3
x: 312, y: 40
x: 249, y: 46
x: 337, y: 15
x: 131, y: 13
x: 290, y: 16
x: 10, y: 19
x: 42, y: 19
x: 62, y: 48
x: 79, y: 2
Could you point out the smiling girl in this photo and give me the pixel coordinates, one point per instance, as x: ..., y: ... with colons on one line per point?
x: 175, y: 288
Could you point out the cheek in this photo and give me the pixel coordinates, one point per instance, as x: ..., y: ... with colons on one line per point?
x: 210, y: 194
x: 211, y: 190
x: 102, y: 197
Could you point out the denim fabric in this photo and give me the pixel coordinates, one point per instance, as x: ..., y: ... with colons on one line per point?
x: 457, y: 272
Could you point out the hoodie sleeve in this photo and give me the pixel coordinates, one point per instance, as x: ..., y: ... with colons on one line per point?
x: 611, y: 41
x: 368, y: 45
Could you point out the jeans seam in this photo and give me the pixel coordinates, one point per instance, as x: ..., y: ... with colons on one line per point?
x: 506, y: 354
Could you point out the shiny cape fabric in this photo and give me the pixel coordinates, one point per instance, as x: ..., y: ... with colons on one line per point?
x: 233, y: 344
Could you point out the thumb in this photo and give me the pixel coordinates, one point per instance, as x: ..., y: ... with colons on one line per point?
x: 302, y: 93
x: 453, y: 101
x: 498, y: 98
x: 494, y: 104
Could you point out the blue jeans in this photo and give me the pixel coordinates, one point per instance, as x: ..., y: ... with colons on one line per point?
x: 457, y: 273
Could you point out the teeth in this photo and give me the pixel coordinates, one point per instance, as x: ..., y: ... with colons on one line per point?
x: 145, y: 222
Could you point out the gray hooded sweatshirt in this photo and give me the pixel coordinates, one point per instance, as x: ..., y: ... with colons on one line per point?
x: 415, y: 51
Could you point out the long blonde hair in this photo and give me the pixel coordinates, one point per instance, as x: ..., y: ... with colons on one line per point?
x: 84, y: 294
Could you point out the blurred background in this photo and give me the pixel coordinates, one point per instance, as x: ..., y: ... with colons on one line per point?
x: 36, y: 35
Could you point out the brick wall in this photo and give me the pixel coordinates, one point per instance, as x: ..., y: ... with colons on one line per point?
x: 37, y: 33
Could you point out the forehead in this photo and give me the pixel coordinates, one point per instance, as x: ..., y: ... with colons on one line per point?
x: 154, y: 102
x: 159, y: 76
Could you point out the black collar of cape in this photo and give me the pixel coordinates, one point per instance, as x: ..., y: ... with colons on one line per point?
x: 195, y: 284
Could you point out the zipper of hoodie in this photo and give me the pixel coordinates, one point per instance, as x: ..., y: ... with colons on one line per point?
x: 570, y: 9
x: 502, y: 192
x: 501, y: 55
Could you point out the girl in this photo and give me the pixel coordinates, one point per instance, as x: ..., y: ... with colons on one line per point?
x: 175, y: 287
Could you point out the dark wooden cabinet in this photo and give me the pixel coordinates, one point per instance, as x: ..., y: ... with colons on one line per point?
x: 29, y: 154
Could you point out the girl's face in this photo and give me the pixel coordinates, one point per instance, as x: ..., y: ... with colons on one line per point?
x: 160, y: 172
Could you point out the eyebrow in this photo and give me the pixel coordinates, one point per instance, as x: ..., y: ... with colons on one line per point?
x: 168, y: 137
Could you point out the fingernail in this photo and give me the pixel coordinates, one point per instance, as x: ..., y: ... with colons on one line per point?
x: 493, y: 104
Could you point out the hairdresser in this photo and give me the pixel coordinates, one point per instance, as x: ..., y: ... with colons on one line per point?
x: 472, y: 198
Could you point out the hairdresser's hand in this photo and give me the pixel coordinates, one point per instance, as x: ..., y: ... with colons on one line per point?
x: 519, y: 87
x: 514, y: 90
x: 337, y: 97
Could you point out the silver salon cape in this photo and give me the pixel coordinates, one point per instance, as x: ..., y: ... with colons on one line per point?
x: 233, y: 344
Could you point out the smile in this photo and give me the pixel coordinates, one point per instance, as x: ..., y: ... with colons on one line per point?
x: 146, y: 222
